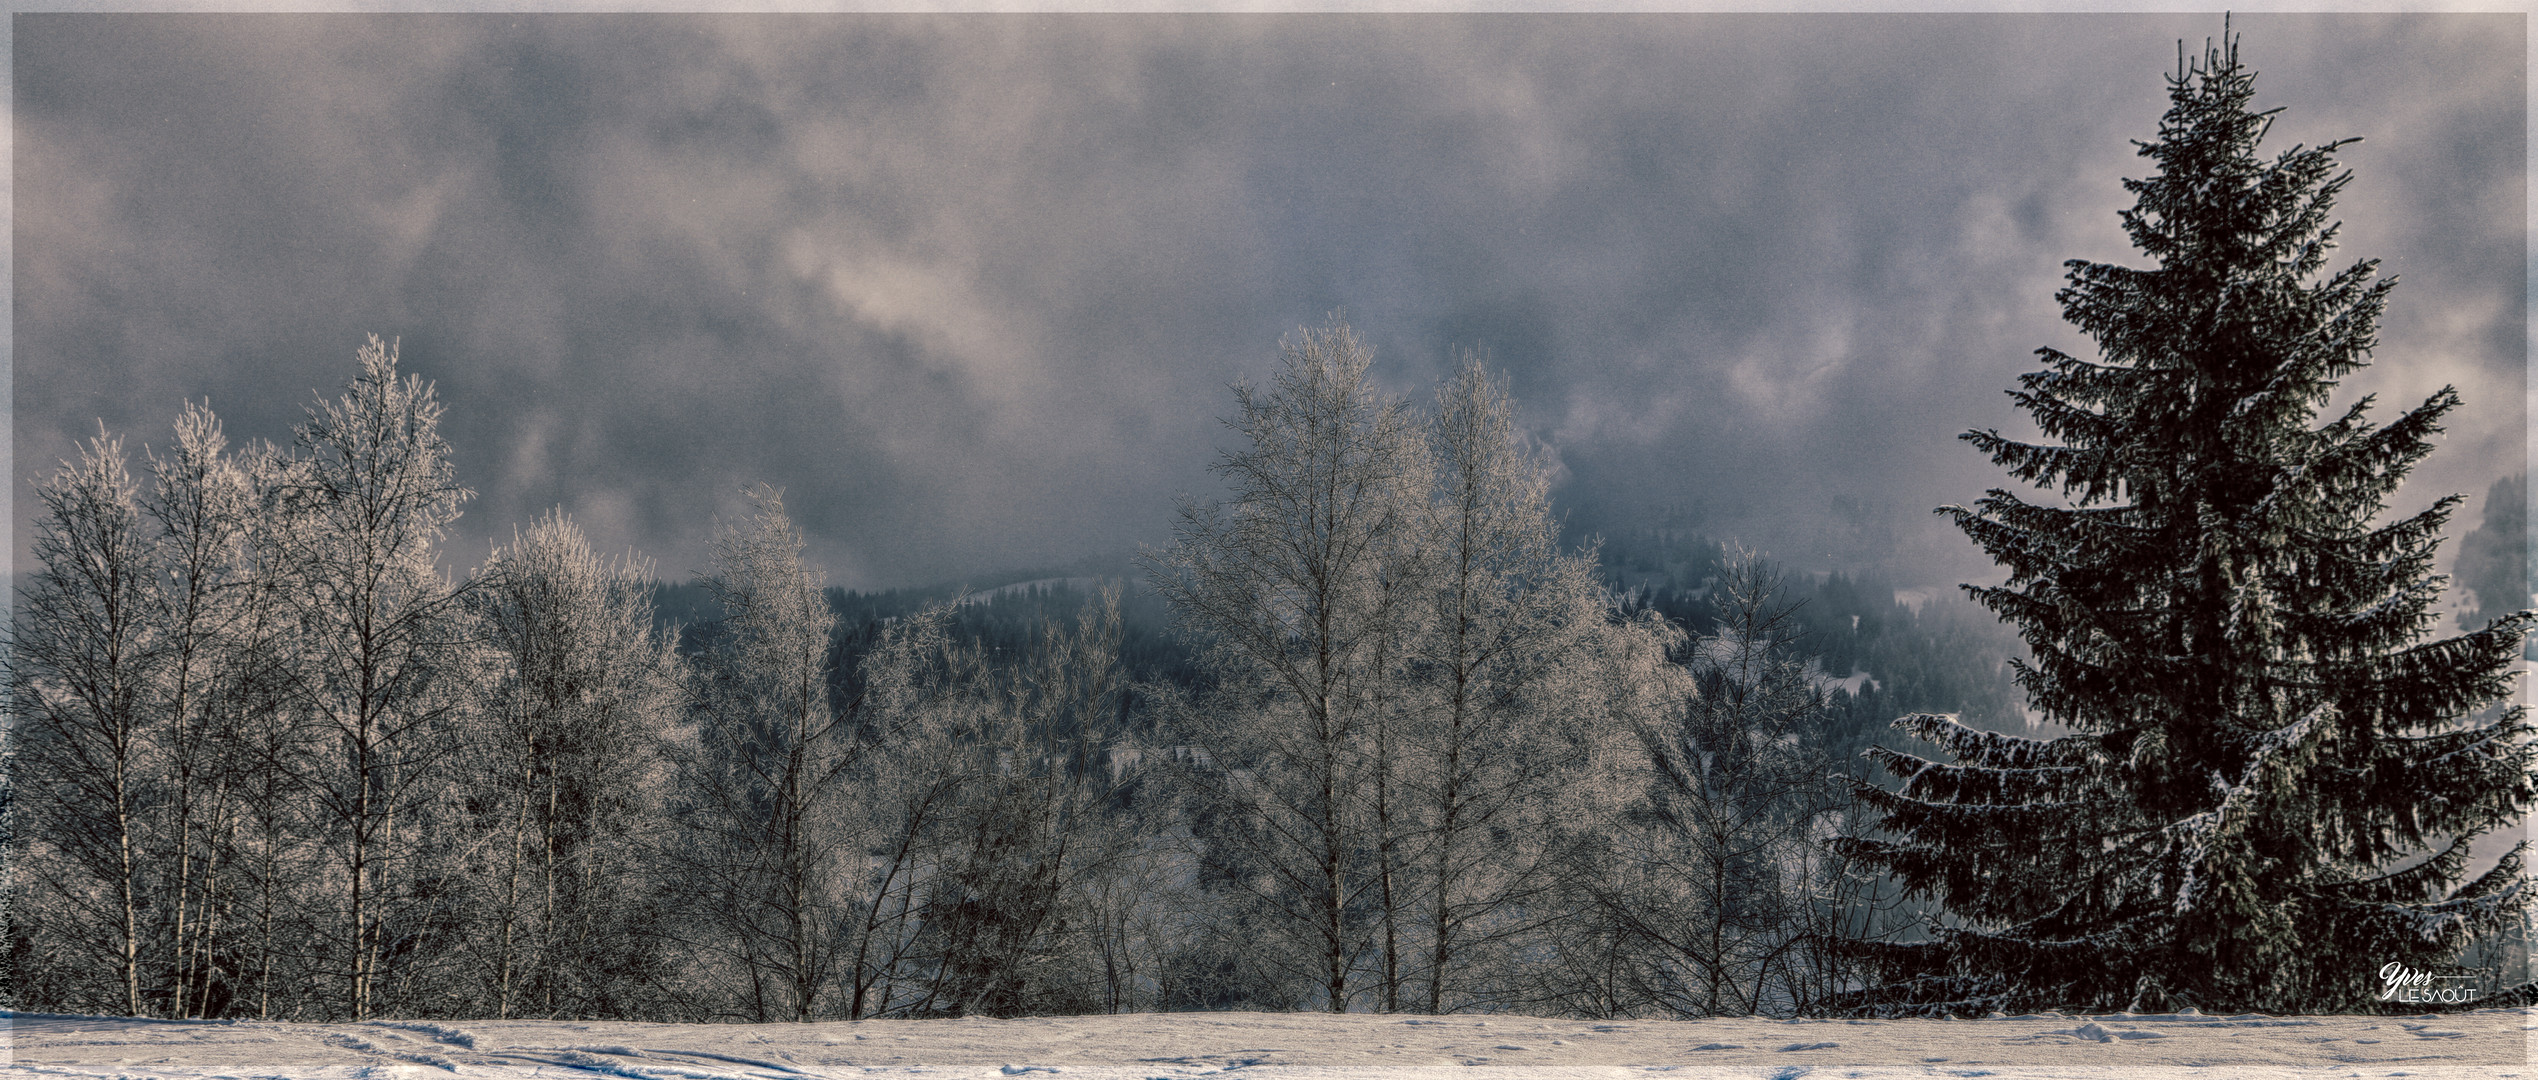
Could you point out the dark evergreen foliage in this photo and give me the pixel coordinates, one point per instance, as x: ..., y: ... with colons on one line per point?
x: 2272, y: 780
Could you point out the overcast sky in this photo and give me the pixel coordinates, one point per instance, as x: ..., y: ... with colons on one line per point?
x: 971, y: 289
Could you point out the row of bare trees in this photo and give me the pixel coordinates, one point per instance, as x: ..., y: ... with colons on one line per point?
x: 272, y: 760
x: 230, y: 686
x: 955, y: 837
x: 1444, y: 771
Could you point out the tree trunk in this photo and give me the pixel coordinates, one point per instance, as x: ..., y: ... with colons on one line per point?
x: 547, y: 977
x: 208, y: 931
x: 184, y: 879
x: 511, y: 885
x: 1335, y: 897
x: 264, y: 945
x: 1448, y: 812
x: 131, y: 958
x: 1384, y: 853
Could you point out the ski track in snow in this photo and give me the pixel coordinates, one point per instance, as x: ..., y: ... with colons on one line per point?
x: 2494, y: 1043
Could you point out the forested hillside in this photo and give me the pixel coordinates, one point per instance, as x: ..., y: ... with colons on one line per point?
x: 1892, y: 652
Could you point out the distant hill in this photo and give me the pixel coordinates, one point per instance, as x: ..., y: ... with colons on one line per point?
x: 1005, y: 610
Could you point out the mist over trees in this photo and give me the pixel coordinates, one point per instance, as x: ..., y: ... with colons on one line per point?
x: 1372, y: 730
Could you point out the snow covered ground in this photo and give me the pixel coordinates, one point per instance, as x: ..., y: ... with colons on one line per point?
x: 1285, y: 1046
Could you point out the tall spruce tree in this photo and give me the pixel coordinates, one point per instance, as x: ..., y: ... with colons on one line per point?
x: 2273, y: 778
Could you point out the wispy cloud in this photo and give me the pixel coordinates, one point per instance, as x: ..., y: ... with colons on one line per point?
x: 971, y: 288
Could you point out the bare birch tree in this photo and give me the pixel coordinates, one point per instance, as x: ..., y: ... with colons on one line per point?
x: 364, y: 513
x: 83, y: 654
x: 582, y: 692
x: 1510, y: 617
x: 764, y: 779
x: 1303, y: 587
x: 213, y: 612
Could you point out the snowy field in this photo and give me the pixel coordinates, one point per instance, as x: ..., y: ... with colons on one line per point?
x: 1286, y: 1046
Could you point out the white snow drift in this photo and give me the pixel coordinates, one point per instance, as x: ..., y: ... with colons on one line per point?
x: 1287, y: 1046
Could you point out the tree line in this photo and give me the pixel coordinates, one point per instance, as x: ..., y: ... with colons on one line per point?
x: 270, y: 761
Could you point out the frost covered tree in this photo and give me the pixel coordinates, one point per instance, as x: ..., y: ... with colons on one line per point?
x: 138, y: 670
x: 922, y: 712
x: 988, y: 820
x: 217, y: 624
x: 1414, y: 685
x: 1302, y: 585
x: 763, y: 780
x: 2273, y: 778
x: 581, y: 690
x: 1739, y: 784
x: 84, y: 654
x: 1509, y: 620
x: 363, y: 509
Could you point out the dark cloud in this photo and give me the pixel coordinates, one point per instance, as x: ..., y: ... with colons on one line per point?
x: 970, y: 288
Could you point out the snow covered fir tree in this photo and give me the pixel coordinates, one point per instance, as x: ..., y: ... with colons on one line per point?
x: 2273, y: 778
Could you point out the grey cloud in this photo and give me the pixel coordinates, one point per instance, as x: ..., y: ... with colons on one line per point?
x: 970, y: 288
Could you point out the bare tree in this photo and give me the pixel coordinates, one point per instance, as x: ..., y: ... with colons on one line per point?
x: 363, y: 515
x: 582, y: 692
x: 988, y: 824
x: 268, y: 747
x: 1303, y: 588
x: 1576, y: 824
x: 83, y: 654
x: 1740, y: 785
x: 764, y: 780
x: 1510, y: 616
x: 212, y: 610
x: 923, y: 714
